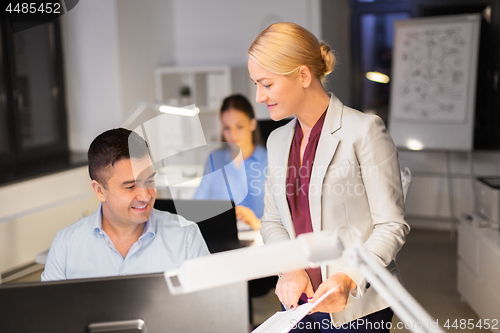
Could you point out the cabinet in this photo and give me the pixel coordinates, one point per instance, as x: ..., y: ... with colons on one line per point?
x: 208, y: 85
x: 479, y: 268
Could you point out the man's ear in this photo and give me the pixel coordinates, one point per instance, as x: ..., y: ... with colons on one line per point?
x: 99, y: 190
x: 305, y: 76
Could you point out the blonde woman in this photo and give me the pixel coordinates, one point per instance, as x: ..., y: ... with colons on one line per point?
x: 330, y: 166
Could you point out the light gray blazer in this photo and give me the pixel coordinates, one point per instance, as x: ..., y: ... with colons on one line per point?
x: 355, y: 181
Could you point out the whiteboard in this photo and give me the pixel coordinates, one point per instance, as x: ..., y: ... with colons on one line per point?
x: 433, y: 83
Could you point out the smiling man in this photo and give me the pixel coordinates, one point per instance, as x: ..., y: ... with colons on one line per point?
x: 126, y: 235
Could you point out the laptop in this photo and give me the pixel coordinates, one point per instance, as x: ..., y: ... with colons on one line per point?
x: 215, y: 218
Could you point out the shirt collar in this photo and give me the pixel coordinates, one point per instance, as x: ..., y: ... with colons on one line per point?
x: 98, y: 220
x: 315, y: 130
x: 149, y: 228
x: 298, y: 136
x: 259, y: 154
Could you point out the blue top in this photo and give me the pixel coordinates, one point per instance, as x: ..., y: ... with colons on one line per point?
x: 245, y: 185
x: 84, y: 250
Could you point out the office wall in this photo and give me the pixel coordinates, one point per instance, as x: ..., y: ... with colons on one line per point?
x: 33, y: 211
x: 92, y: 71
x: 336, y: 31
x: 111, y: 49
x: 219, y: 32
x: 146, y: 40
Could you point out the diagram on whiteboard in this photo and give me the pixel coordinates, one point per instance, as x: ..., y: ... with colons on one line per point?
x: 432, y: 72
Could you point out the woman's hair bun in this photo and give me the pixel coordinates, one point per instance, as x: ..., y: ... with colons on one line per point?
x: 283, y: 47
x: 327, y: 57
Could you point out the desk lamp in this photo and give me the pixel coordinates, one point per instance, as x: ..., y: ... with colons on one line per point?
x: 307, y: 250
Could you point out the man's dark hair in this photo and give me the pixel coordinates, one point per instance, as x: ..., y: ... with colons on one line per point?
x: 111, y: 147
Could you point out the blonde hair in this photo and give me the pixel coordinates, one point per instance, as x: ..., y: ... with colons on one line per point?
x: 283, y: 47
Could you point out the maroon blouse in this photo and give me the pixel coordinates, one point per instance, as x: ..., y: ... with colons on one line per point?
x: 297, y: 186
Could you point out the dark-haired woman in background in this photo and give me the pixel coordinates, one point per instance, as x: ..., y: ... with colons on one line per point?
x: 239, y: 127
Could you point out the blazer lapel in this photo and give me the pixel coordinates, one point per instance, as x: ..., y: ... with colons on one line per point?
x: 284, y: 152
x: 327, y: 146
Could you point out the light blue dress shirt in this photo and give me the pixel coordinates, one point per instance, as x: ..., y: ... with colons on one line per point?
x: 84, y: 250
x: 245, y: 186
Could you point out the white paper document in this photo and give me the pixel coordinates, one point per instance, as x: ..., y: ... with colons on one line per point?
x: 283, y: 321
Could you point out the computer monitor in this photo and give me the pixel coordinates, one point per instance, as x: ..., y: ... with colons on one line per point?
x: 266, y: 126
x: 215, y: 218
x: 106, y: 304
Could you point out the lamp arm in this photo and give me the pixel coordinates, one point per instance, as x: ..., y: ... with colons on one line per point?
x: 390, y: 289
x: 307, y: 250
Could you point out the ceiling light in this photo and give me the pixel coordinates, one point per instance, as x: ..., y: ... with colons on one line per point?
x: 413, y: 144
x: 377, y: 77
x: 179, y: 111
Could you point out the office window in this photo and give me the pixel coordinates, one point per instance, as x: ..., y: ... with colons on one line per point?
x: 372, y: 30
x: 37, y: 88
x: 372, y: 25
x: 377, y: 31
x: 33, y: 134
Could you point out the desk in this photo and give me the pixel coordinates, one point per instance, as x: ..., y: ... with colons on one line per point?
x: 251, y: 235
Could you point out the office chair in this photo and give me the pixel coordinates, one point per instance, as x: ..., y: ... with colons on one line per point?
x: 406, y: 181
